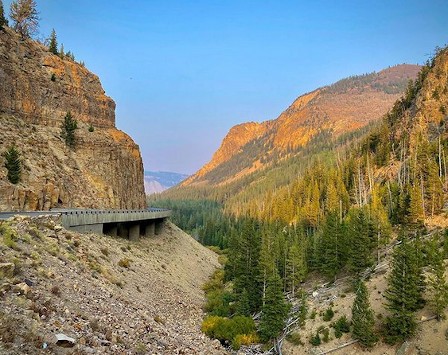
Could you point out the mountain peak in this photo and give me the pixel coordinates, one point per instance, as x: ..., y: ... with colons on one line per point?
x: 342, y: 107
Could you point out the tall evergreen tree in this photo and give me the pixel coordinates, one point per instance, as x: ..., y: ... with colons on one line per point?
x: 404, y: 292
x: 13, y: 164
x: 360, y: 240
x: 363, y: 319
x: 244, y: 258
x: 61, y: 51
x: 267, y: 260
x: 25, y: 17
x: 3, y: 20
x: 297, y: 268
x: 274, y: 311
x: 243, y: 305
x: 68, y: 130
x: 437, y: 281
x: 416, y: 211
x: 53, y: 46
x: 331, y: 246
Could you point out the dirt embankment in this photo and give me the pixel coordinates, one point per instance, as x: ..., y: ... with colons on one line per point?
x: 108, y: 295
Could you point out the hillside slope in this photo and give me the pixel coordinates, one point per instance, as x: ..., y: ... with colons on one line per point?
x: 430, y: 338
x: 109, y: 294
x: 37, y: 90
x: 340, y: 108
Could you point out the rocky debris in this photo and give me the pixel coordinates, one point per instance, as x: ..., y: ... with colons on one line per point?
x: 22, y: 288
x: 80, y: 291
x: 7, y: 270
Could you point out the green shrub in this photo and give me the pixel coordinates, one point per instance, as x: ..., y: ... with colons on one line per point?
x: 227, y: 329
x: 328, y: 315
x: 9, y: 236
x: 53, y: 77
x: 244, y: 339
x: 91, y: 128
x: 125, y: 262
x: 315, y: 339
x: 294, y: 338
x: 216, y: 281
x: 337, y: 333
x: 342, y: 325
x: 326, y: 335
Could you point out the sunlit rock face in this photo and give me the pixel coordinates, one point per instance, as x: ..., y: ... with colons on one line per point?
x: 37, y: 89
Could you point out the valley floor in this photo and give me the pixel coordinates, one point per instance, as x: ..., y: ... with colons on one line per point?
x: 108, y: 294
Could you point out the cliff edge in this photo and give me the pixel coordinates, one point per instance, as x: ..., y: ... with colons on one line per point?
x: 37, y: 89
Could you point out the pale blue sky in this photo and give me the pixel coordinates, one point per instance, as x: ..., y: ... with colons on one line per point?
x: 183, y: 72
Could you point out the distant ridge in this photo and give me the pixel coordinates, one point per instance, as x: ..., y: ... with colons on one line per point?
x: 342, y: 107
x: 158, y: 181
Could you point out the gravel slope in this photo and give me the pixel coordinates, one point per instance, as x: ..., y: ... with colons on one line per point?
x: 109, y: 294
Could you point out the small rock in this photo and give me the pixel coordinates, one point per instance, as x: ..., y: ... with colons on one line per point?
x: 5, y: 287
x: 58, y: 228
x: 29, y: 282
x: 403, y: 348
x: 109, y: 335
x: 22, y: 288
x: 7, y: 269
x: 51, y: 234
x: 105, y: 343
x: 65, y: 341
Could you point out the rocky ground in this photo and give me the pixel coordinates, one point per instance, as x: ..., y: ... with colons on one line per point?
x: 431, y: 338
x: 63, y: 292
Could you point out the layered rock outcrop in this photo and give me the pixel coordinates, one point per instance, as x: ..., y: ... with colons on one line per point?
x: 37, y: 89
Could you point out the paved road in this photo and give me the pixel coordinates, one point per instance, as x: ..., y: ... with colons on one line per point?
x: 54, y: 212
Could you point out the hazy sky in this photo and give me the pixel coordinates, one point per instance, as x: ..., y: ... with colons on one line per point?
x: 183, y: 72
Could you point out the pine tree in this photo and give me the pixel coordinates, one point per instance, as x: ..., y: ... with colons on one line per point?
x: 437, y: 281
x: 267, y: 260
x: 416, y: 212
x: 61, y: 51
x: 274, y: 311
x: 25, y: 17
x: 245, y: 256
x: 3, y: 20
x: 360, y: 242
x: 53, y: 46
x: 68, y: 130
x: 243, y: 305
x: 13, y: 164
x: 296, y: 264
x: 363, y: 320
x: 331, y: 246
x: 404, y: 293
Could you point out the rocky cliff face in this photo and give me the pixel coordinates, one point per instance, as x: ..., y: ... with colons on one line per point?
x: 336, y: 109
x: 37, y: 89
